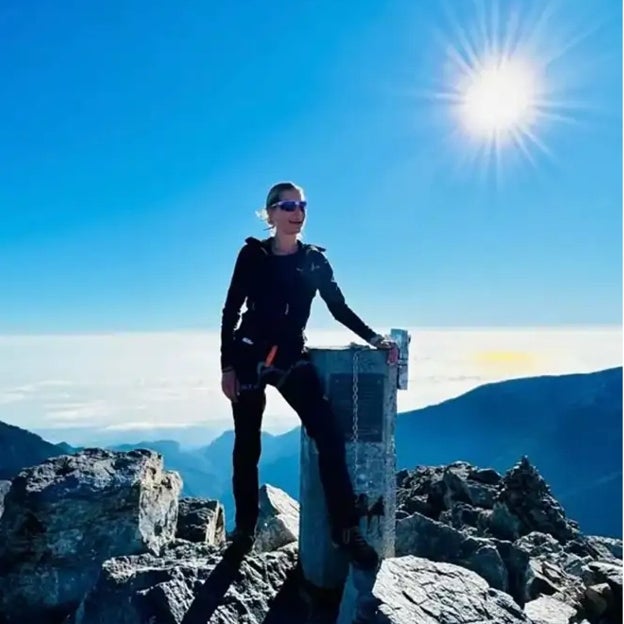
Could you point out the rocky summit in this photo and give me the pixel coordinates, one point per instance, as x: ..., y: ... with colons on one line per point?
x: 103, y: 537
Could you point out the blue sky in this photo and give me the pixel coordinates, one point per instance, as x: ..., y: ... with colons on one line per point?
x: 138, y: 139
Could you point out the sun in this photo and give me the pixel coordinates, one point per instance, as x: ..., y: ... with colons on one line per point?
x: 501, y: 84
x: 499, y: 99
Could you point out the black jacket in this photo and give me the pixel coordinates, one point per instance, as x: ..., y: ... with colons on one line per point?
x: 276, y: 315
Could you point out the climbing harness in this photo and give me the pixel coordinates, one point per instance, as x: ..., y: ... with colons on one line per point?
x: 265, y: 368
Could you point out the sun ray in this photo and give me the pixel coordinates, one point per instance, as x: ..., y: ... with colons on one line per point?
x: 560, y: 117
x: 461, y: 37
x: 498, y: 86
x: 519, y: 140
x: 511, y: 38
x: 538, y: 142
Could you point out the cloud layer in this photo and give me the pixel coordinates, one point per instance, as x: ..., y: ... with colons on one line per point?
x: 142, y: 382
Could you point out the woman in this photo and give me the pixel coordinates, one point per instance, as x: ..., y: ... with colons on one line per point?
x: 278, y: 279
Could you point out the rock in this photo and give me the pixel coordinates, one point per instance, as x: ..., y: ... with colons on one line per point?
x: 503, y: 524
x: 603, y: 572
x: 547, y: 610
x: 64, y: 517
x: 508, y: 529
x: 413, y: 489
x: 598, y: 599
x: 537, y: 544
x: 4, y: 488
x: 603, y: 596
x: 549, y: 579
x: 552, y: 571
x: 190, y: 582
x: 546, y: 548
x: 410, y: 590
x: 607, y: 546
x: 527, y: 496
x: 518, y: 570
x: 432, y: 490
x: 457, y: 486
x: 278, y: 521
x: 422, y: 537
x: 486, y: 475
x: 467, y: 518
x: 201, y: 520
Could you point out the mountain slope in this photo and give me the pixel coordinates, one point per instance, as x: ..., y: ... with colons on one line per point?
x: 20, y: 448
x: 570, y: 426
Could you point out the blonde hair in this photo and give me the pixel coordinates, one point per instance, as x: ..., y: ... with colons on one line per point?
x: 273, y: 196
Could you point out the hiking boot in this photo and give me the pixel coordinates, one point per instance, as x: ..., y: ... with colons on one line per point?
x: 360, y: 552
x: 242, y: 539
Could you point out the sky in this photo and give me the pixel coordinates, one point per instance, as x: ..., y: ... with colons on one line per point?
x: 101, y: 389
x: 137, y: 141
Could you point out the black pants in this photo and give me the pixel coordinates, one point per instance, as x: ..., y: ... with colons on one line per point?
x: 301, y: 388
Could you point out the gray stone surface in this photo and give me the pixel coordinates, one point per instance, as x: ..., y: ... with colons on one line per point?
x: 548, y: 610
x: 528, y: 497
x: 413, y: 590
x: 375, y: 479
x: 66, y: 516
x: 278, y: 521
x: 603, y: 593
x: 201, y: 520
x: 424, y: 537
x: 188, y: 583
x: 607, y: 546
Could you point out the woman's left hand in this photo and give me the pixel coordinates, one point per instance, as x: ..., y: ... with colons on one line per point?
x: 386, y: 344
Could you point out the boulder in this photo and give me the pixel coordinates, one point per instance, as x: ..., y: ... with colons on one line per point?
x: 188, y: 583
x: 410, y: 590
x: 509, y: 529
x: 503, y: 523
x: 527, y: 496
x: 464, y: 517
x: 278, y: 521
x: 553, y: 570
x: 603, y: 594
x: 64, y: 517
x: 423, y: 537
x: 607, y: 546
x: 598, y: 601
x: 201, y: 520
x: 431, y: 490
x: 548, y: 610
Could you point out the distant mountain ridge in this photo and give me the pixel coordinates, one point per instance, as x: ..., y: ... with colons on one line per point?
x: 20, y: 448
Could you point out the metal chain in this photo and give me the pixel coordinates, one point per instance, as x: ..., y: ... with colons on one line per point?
x: 356, y: 399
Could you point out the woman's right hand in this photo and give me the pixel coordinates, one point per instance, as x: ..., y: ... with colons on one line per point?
x: 229, y: 384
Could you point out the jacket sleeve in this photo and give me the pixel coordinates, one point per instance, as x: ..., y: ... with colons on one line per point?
x: 236, y: 295
x: 335, y: 300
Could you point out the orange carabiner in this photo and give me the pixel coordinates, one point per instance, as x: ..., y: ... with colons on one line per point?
x: 271, y: 356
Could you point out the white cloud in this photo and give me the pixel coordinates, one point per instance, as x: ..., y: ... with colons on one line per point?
x: 172, y: 380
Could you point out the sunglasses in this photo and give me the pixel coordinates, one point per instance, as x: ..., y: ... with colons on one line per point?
x: 290, y: 205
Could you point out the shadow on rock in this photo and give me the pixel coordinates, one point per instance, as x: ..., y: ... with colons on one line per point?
x: 359, y: 604
x: 212, y: 592
x: 299, y: 601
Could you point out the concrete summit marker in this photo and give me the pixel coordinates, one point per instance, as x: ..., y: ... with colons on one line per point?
x: 362, y: 389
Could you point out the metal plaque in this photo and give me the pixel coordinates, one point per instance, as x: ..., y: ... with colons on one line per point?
x: 370, y: 404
